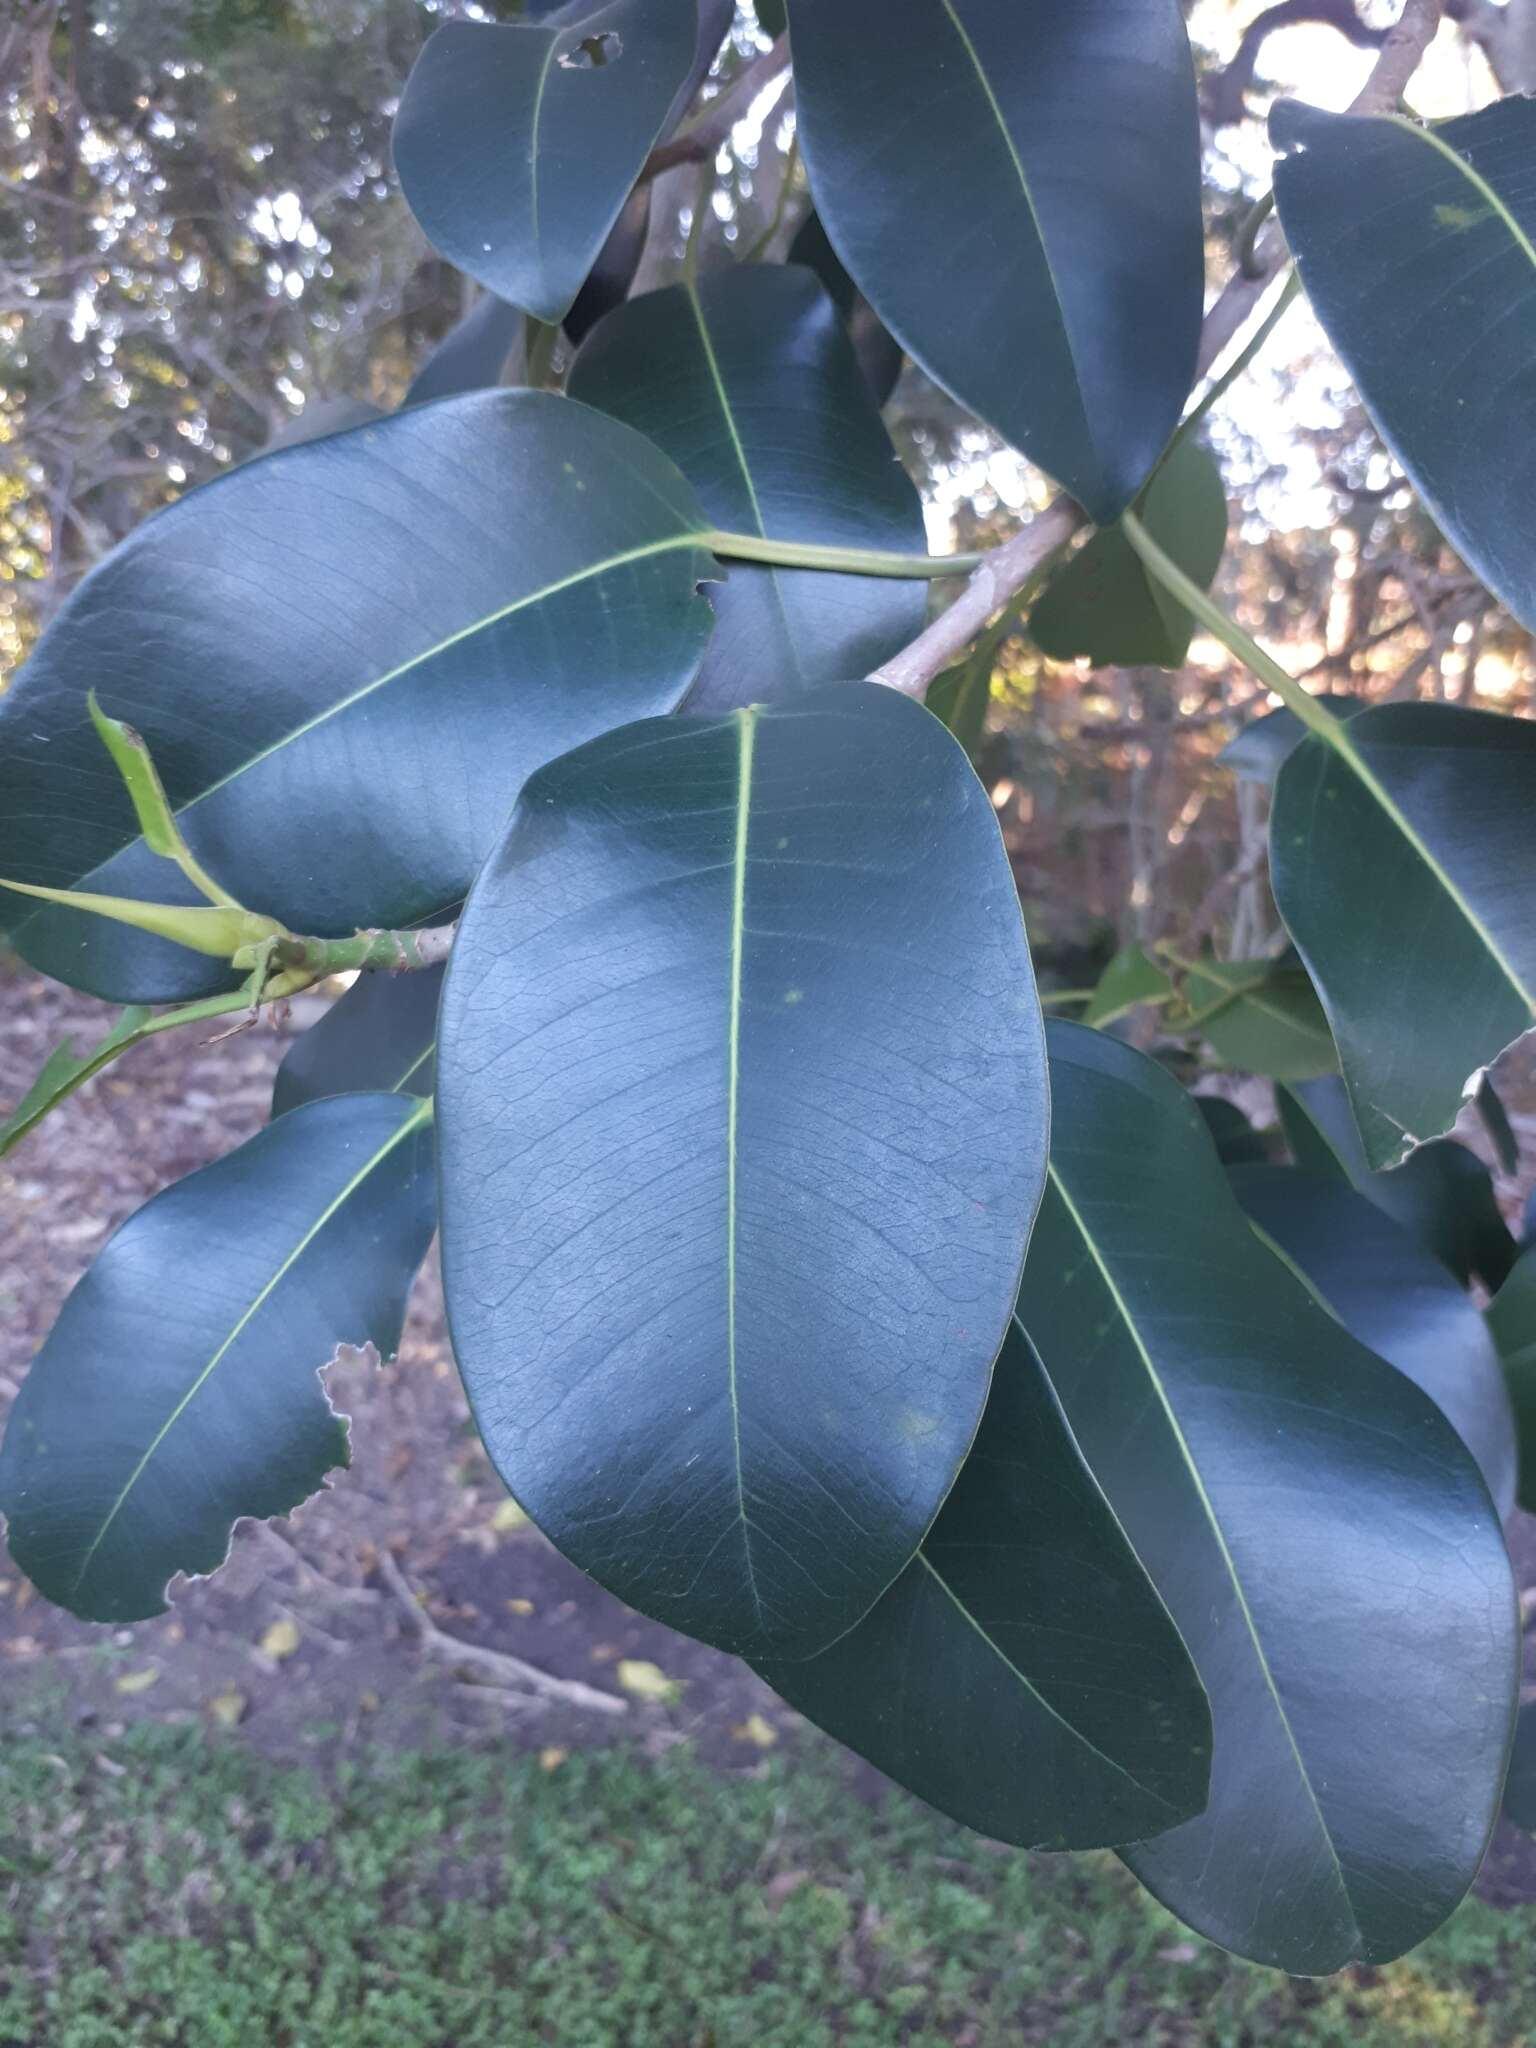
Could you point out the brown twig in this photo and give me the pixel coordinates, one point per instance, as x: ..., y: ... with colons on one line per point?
x: 508, y: 1671
x: 1004, y: 570
x: 702, y: 137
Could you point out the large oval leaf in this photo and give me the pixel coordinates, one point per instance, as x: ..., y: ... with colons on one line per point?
x: 1045, y: 268
x: 1417, y: 246
x: 743, y: 1113
x: 1408, y: 892
x: 1396, y: 1299
x: 1321, y: 1536
x: 517, y: 143
x: 1022, y: 1674
x: 359, y: 650
x: 179, y: 1390
x: 747, y: 380
x: 380, y: 1037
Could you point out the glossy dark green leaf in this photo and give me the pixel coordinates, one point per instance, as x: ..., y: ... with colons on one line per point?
x: 1321, y: 1536
x: 1442, y: 1194
x: 1520, y: 1785
x: 747, y: 381
x: 1102, y: 606
x: 743, y: 1113
x: 1262, y: 1017
x: 878, y: 350
x: 1408, y: 895
x: 517, y: 143
x: 361, y: 649
x: 1130, y: 979
x: 1237, y: 1141
x: 472, y: 354
x: 1512, y: 1324
x: 1022, y: 1674
x: 179, y: 1390
x: 1047, y: 270
x: 1417, y: 247
x: 1388, y: 1291
x: 379, y: 1037
x: 1265, y: 743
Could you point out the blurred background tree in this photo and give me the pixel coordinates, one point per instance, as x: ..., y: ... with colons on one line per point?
x: 201, y: 241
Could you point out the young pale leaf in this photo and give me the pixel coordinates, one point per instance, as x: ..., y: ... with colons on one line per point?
x: 1130, y: 979
x: 1322, y: 1537
x: 1022, y: 1675
x: 380, y: 1036
x: 1046, y: 270
x: 1260, y: 1016
x: 1395, y: 1298
x: 1407, y: 891
x: 517, y: 143
x: 179, y: 1390
x: 1417, y: 247
x: 1264, y: 744
x: 1512, y: 1323
x: 1442, y: 1194
x: 64, y: 1070
x: 743, y: 1114
x: 1102, y: 606
x: 362, y: 647
x: 747, y: 380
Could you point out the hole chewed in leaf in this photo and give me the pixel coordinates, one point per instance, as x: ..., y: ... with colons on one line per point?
x: 593, y: 52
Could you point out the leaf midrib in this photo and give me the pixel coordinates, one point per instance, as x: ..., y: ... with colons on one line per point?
x: 746, y: 738
x: 738, y: 446
x: 995, y: 109
x: 371, y: 1165
x: 671, y: 544
x: 1181, y: 1442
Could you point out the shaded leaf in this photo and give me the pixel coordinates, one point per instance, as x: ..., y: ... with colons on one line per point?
x: 378, y: 1037
x: 1130, y: 980
x: 743, y: 1114
x: 1265, y: 743
x: 1442, y: 1194
x: 746, y: 380
x: 1494, y: 1118
x: 179, y: 1390
x: 1046, y: 270
x: 381, y: 634
x: 1520, y: 1785
x: 613, y: 273
x: 878, y: 350
x: 1321, y: 1536
x: 961, y: 696
x: 1512, y: 1323
x: 472, y: 354
x: 1402, y: 874
x: 320, y: 417
x: 1022, y: 1675
x: 1387, y: 1290
x: 1417, y: 247
x: 517, y: 143
x: 1236, y: 1140
x: 1102, y: 605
